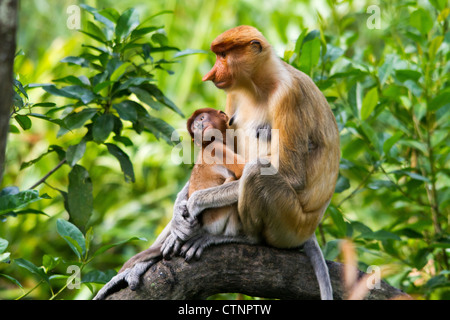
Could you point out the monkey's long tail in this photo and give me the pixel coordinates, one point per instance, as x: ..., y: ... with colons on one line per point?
x: 315, y: 255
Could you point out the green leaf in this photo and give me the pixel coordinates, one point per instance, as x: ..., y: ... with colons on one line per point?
x: 95, y: 32
x: 157, y: 93
x: 71, y: 80
x: 80, y: 93
x: 3, y: 245
x: 119, y: 72
x: 11, y: 279
x: 420, y: 259
x: 338, y: 220
x: 146, y: 97
x: 299, y: 42
x: 124, y: 160
x: 369, y: 102
x: 110, y: 13
x: 407, y: 74
x: 20, y: 87
x: 342, y: 184
x: 13, y: 129
x: 439, y: 281
x: 160, y: 39
x: 159, y: 128
x: 440, y: 100
x: 23, y: 121
x: 102, y: 85
x: 75, y: 153
x: 76, y: 60
x: 371, y: 136
x: 332, y: 249
x: 103, y: 16
x: 28, y: 211
x: 164, y: 48
x: 387, y: 68
x: 133, y: 82
x: 126, y: 110
x: 421, y: 20
x: 412, y: 175
x: 44, y: 104
x: 415, y: 144
x: 58, y: 122
x: 380, y: 235
x: 139, y: 32
x: 389, y: 143
x: 310, y: 55
x: 361, y: 227
x: 50, y: 262
x: 10, y: 202
x: 96, y: 276
x: 127, y: 22
x: 355, y: 98
x: 33, y: 269
x: 79, y: 197
x: 5, y: 257
x: 410, y: 233
x: 103, y: 127
x: 188, y: 52
x: 438, y: 4
x: 73, y: 236
x: 78, y: 119
x: 434, y: 46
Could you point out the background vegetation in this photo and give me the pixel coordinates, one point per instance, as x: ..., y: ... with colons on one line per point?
x: 100, y: 105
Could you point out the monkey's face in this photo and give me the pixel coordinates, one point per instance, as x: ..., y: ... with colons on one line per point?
x: 203, y: 121
x: 221, y: 73
x: 238, y: 52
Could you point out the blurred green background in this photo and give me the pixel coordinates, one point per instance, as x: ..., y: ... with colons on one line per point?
x: 408, y: 246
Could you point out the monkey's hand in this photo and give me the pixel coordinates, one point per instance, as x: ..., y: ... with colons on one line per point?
x: 183, y: 227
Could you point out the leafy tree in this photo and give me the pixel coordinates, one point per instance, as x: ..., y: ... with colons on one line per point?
x: 388, y: 88
x: 392, y: 109
x: 113, y: 94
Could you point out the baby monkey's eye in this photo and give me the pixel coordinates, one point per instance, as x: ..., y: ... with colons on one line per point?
x: 223, y: 54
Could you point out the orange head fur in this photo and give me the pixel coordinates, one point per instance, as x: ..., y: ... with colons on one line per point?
x: 239, y: 53
x: 238, y: 37
x: 207, y: 118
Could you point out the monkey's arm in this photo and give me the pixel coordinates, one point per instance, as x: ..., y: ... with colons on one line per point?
x: 215, y: 197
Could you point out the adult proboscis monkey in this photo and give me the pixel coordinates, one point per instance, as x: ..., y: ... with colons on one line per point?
x: 282, y: 209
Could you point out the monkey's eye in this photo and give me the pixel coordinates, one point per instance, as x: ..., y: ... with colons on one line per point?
x: 257, y: 44
x: 222, y: 54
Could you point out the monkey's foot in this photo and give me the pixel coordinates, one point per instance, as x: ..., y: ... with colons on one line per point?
x: 194, y: 247
x: 130, y: 277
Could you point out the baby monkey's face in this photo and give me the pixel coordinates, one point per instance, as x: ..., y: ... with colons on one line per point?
x: 206, y: 125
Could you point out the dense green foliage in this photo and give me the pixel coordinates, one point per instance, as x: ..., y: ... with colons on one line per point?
x: 105, y: 125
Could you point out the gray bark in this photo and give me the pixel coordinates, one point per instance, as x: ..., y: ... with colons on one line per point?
x: 252, y: 270
x: 8, y: 25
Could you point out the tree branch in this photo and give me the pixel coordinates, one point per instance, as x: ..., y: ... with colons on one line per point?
x: 8, y: 25
x: 252, y: 270
x: 48, y: 174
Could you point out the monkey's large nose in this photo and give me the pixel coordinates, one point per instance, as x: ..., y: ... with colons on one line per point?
x: 210, y: 75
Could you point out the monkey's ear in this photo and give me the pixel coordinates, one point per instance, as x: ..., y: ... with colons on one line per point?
x: 257, y: 45
x: 224, y: 115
